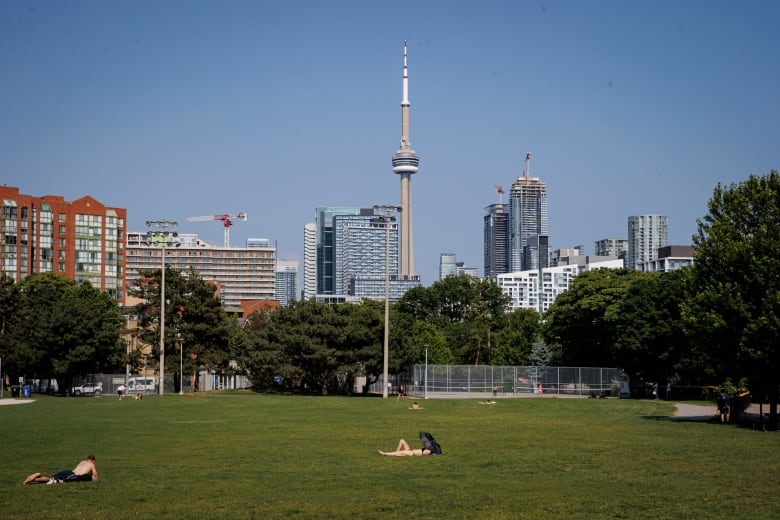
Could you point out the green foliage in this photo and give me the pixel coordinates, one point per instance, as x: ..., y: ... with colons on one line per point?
x: 581, y: 321
x: 650, y: 342
x: 194, y: 317
x: 321, y: 348
x: 514, y: 342
x: 468, y: 313
x: 56, y: 328
x: 249, y: 456
x: 734, y: 313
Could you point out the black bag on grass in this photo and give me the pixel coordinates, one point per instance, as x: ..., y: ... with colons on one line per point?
x: 429, y: 443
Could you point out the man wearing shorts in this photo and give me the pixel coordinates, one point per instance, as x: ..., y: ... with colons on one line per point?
x: 84, y: 470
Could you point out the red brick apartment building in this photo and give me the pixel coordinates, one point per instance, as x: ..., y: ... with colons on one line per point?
x: 81, y: 239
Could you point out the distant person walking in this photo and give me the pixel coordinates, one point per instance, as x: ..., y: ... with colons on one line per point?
x: 723, y: 407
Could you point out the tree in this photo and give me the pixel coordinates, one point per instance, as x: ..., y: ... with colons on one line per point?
x: 321, y: 348
x: 734, y: 315
x: 581, y: 320
x: 194, y: 317
x: 650, y: 340
x: 514, y: 342
x: 62, y: 329
x: 466, y: 310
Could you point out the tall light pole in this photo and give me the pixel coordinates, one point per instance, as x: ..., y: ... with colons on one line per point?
x: 160, y: 238
x: 386, y: 217
x: 181, y: 364
x: 425, y: 393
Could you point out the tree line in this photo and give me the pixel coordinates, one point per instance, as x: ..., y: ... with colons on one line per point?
x: 713, y: 323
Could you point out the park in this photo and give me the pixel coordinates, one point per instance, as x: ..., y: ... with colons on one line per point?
x: 241, y: 454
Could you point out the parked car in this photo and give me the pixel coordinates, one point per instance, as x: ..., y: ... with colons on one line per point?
x: 94, y: 389
x: 141, y: 384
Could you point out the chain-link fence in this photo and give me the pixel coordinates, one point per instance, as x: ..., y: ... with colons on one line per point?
x: 107, y: 384
x: 509, y: 381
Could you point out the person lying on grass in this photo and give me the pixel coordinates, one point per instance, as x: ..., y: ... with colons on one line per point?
x: 84, y: 471
x: 404, y: 450
x: 430, y: 447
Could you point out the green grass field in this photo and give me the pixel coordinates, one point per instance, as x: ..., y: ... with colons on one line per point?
x: 246, y: 455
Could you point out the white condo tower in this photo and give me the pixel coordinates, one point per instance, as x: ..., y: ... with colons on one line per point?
x: 405, y: 163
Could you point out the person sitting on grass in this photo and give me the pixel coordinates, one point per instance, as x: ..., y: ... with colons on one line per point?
x: 415, y: 406
x: 84, y: 471
x: 487, y: 401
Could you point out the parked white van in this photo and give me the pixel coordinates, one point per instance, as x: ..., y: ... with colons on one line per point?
x: 141, y: 384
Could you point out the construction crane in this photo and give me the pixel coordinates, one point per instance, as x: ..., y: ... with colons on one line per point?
x: 227, y: 221
x: 500, y: 190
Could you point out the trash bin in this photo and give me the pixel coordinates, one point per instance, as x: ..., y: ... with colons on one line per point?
x: 26, y: 391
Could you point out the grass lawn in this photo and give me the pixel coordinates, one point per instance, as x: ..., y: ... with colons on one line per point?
x: 246, y: 455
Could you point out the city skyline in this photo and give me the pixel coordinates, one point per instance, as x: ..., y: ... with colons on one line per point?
x: 173, y: 110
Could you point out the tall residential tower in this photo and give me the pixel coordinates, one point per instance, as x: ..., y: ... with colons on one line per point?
x: 496, y: 238
x: 405, y: 163
x: 528, y: 219
x: 646, y: 233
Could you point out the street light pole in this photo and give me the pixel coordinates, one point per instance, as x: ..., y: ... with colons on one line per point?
x: 425, y: 393
x: 162, y: 324
x: 161, y: 239
x: 181, y: 364
x: 386, y: 217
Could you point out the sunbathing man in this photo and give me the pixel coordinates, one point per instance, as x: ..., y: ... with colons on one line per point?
x: 84, y: 470
x: 404, y: 450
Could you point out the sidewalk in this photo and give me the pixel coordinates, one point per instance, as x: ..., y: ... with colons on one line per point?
x: 15, y: 400
x: 696, y: 412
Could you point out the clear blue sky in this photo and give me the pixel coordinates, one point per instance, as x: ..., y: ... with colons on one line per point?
x: 184, y: 108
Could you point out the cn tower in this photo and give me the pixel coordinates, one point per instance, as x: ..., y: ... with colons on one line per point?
x: 405, y: 163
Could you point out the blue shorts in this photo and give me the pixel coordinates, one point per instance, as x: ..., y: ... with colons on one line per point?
x: 67, y: 475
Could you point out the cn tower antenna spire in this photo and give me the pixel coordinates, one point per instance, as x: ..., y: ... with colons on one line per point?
x: 405, y: 163
x: 405, y: 98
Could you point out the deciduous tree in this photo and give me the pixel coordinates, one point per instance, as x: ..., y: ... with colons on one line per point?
x: 734, y: 315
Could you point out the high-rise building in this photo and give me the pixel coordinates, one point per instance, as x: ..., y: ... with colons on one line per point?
x: 612, y: 247
x: 537, y: 253
x: 496, y: 241
x: 351, y: 260
x: 309, y: 261
x: 240, y: 273
x: 325, y: 243
x: 405, y: 164
x: 450, y: 266
x: 361, y: 244
x: 527, y: 218
x: 286, y: 282
x: 82, y: 239
x: 646, y: 233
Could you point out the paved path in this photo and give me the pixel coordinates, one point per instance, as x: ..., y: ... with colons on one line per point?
x: 697, y: 412
x: 15, y: 400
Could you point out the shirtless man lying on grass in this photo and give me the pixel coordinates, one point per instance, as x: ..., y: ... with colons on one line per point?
x: 84, y: 470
